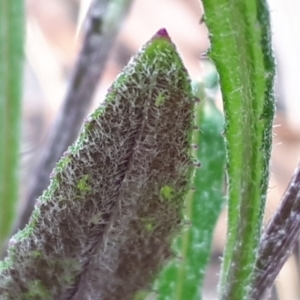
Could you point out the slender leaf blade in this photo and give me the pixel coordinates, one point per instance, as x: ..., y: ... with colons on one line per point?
x: 11, y: 62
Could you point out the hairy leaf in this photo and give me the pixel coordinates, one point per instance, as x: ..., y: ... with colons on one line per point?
x: 182, y: 278
x: 104, y: 224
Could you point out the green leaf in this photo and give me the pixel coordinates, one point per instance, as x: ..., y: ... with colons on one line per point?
x: 104, y: 224
x: 183, y: 276
x: 11, y: 61
x: 240, y: 36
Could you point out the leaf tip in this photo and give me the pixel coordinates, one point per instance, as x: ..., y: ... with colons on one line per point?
x: 163, y: 33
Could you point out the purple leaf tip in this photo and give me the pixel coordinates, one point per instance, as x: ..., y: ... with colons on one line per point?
x: 163, y: 33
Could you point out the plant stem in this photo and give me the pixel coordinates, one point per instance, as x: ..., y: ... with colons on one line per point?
x: 11, y: 74
x: 240, y: 35
x: 278, y: 240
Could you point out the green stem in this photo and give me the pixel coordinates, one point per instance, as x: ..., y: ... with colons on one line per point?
x: 11, y: 61
x: 242, y: 53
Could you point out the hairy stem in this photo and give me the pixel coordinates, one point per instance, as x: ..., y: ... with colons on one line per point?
x: 240, y: 35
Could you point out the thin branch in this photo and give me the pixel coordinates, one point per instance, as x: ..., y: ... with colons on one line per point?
x: 278, y: 240
x: 102, y: 25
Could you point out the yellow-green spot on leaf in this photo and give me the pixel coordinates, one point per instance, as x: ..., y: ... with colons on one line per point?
x: 36, y: 253
x: 167, y: 192
x: 148, y: 223
x: 83, y: 185
x: 141, y: 295
x: 160, y: 99
x: 37, y: 291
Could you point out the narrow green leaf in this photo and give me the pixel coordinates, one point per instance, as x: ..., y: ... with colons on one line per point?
x: 240, y: 36
x: 11, y: 60
x: 103, y: 226
x: 183, y: 276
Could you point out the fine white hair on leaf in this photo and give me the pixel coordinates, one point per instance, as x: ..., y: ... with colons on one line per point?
x: 104, y: 225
